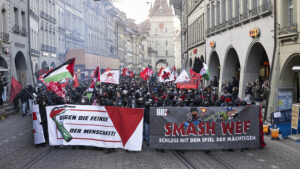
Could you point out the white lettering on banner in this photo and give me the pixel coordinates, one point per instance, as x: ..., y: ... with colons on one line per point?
x: 162, y: 112
x: 90, y: 126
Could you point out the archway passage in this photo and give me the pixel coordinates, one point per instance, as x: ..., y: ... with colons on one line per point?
x: 161, y: 63
x: 290, y: 78
x: 45, y: 65
x: 214, y: 66
x: 20, y: 64
x: 232, y: 67
x: 257, y: 65
x: 52, y: 65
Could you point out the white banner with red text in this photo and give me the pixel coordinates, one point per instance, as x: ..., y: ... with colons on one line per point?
x: 99, y: 126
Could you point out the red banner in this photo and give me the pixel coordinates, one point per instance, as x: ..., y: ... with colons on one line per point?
x: 192, y: 84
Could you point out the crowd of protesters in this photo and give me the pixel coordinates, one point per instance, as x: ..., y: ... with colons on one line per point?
x: 138, y: 93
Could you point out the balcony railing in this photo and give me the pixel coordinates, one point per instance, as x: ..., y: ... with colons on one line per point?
x: 24, y: 31
x: 43, y: 14
x: 4, y: 36
x: 264, y: 9
x: 16, y: 29
x: 229, y: 22
x: 254, y: 12
x: 245, y: 15
x: 288, y: 29
x: 43, y: 47
x: 236, y: 19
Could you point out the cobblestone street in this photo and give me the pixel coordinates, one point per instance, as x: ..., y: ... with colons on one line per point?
x: 18, y: 151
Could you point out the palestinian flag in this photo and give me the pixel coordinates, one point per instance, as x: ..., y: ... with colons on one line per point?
x: 66, y: 70
x: 204, y: 72
x: 198, y: 65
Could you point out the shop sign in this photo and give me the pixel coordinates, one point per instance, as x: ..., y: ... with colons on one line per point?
x: 254, y: 33
x: 212, y: 44
x: 34, y: 60
x: 53, y: 55
x: 45, y: 54
x: 295, y: 116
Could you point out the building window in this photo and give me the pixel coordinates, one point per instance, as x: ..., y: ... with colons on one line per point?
x: 254, y: 4
x: 166, y: 52
x: 212, y: 15
x: 229, y: 9
x: 218, y: 12
x: 208, y: 17
x: 23, y: 19
x: 223, y: 11
x: 3, y: 26
x: 237, y: 8
x: 16, y: 16
x: 290, y: 12
x: 166, y: 43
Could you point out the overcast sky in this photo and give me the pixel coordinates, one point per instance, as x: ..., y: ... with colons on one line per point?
x: 135, y: 9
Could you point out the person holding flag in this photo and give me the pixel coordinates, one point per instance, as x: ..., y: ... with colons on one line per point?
x: 51, y: 78
x: 96, y: 79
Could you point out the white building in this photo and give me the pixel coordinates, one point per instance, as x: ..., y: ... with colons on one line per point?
x: 161, y: 34
x: 240, y: 40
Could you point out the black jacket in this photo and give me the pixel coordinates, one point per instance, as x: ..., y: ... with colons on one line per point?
x: 23, y: 96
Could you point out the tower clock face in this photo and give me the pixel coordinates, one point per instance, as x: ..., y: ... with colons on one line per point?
x: 161, y: 25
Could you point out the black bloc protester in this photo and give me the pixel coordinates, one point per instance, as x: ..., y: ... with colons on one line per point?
x: 204, y: 128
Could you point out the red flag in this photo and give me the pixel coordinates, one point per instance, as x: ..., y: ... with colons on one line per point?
x: 195, y: 75
x: 15, y: 88
x: 96, y: 74
x: 144, y: 74
x: 124, y: 71
x: 174, y: 69
x: 63, y: 85
x: 127, y: 73
x: 160, y: 70
x: 55, y: 87
x: 75, y: 82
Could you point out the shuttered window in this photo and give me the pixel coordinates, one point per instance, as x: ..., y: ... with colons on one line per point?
x: 223, y: 11
x: 290, y: 12
x: 208, y: 18
x: 212, y: 15
x: 218, y: 12
x: 229, y: 9
x: 237, y: 8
